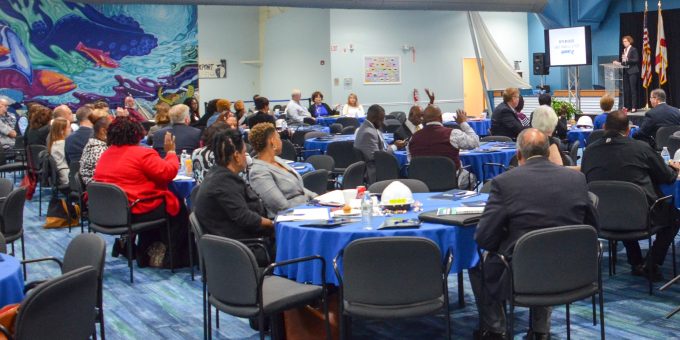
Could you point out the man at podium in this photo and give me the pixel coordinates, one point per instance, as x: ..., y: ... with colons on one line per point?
x: 631, y: 75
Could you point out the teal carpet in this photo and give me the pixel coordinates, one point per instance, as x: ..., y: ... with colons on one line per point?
x: 163, y: 305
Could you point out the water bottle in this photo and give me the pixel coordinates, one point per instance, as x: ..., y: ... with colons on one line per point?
x: 367, y: 210
x: 182, y: 163
x: 665, y: 155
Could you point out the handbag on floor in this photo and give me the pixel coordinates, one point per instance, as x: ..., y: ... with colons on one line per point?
x: 60, y: 214
x: 8, y: 316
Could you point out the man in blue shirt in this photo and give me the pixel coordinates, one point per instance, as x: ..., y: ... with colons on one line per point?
x: 77, y: 140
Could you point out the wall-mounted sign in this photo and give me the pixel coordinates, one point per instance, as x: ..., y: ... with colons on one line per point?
x: 214, y: 69
x: 382, y: 70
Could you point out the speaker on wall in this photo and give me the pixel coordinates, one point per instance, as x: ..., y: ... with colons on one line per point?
x: 540, y: 68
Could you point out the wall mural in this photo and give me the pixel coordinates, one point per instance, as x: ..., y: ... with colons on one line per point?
x: 55, y: 52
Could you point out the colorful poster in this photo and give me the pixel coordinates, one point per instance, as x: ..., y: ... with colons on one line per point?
x: 56, y: 52
x: 382, y: 70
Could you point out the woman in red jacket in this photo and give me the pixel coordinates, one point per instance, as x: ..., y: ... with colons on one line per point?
x: 142, y: 173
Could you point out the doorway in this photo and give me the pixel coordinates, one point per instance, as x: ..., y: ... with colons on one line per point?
x: 473, y: 93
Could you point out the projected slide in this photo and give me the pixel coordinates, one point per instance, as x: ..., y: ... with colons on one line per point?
x: 569, y: 46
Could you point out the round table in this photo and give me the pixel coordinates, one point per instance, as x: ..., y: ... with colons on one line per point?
x: 11, y: 280
x: 481, y: 126
x: 182, y: 189
x: 316, y: 146
x: 330, y: 120
x: 293, y: 241
x: 581, y: 135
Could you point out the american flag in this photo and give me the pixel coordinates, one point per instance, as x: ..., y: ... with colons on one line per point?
x: 661, y: 52
x: 646, y: 55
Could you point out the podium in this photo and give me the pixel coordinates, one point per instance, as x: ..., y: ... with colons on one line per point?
x: 613, y: 81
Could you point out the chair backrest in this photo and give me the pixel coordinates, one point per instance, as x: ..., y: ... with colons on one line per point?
x: 673, y: 144
x: 34, y: 161
x: 544, y: 260
x: 663, y: 133
x: 348, y: 121
x: 388, y: 271
x: 391, y: 125
x: 336, y: 128
x: 439, y: 173
x: 72, y: 296
x: 13, y: 212
x: 316, y: 181
x: 298, y: 137
x: 354, y: 175
x: 495, y: 139
x: 197, y: 230
x: 321, y: 162
x: 386, y: 166
x: 594, y: 200
x: 348, y: 130
x: 573, y: 150
x: 193, y: 195
x: 398, y: 115
x: 342, y: 153
x: 288, y: 152
x: 314, y: 134
x: 595, y: 135
x: 86, y: 249
x: 414, y: 185
x: 73, y: 179
x: 107, y: 205
x: 566, y: 159
x: 231, y: 268
x: 6, y: 186
x: 622, y: 206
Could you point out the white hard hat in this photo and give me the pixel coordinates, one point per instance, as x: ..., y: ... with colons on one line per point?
x: 397, y: 193
x: 584, y: 121
x: 281, y: 124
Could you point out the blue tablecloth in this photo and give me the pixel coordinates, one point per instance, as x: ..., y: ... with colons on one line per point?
x: 182, y: 189
x: 476, y: 160
x: 11, y: 281
x: 328, y: 121
x: 481, y: 127
x: 672, y: 189
x: 302, y: 168
x: 318, y: 147
x: 293, y: 241
x: 581, y: 135
x: 308, y: 128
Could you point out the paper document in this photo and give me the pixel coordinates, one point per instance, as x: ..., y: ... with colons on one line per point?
x: 314, y: 214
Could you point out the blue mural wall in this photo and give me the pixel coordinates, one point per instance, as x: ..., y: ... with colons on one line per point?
x: 56, y: 52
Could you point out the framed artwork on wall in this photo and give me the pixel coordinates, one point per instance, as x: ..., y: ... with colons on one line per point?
x: 380, y: 70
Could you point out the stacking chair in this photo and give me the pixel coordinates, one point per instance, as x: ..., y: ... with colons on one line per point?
x: 573, y: 151
x: 237, y: 286
x: 398, y: 115
x: 288, y: 151
x: 414, y: 185
x: 3, y: 246
x: 12, y: 219
x: 109, y: 212
x: 321, y: 162
x: 513, y: 164
x: 625, y: 215
x: 71, y: 296
x: 673, y: 143
x: 35, y: 168
x: 6, y: 187
x: 663, y: 134
x: 392, y: 277
x: 197, y: 231
x: 348, y: 130
x: 348, y: 121
x: 13, y: 167
x: 354, y: 175
x: 392, y: 125
x: 76, y: 192
x: 313, y: 134
x: 343, y: 154
x: 486, y: 188
x: 546, y: 271
x: 84, y: 250
x: 386, y: 166
x: 316, y: 181
x: 595, y: 135
x: 439, y: 173
x: 336, y: 128
x: 495, y: 139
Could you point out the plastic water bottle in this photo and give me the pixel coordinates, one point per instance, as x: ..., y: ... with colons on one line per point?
x: 183, y: 163
x: 665, y: 155
x: 367, y: 210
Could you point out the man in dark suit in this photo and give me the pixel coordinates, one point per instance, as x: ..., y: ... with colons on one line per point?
x: 186, y: 137
x: 615, y: 157
x: 504, y: 121
x: 410, y: 126
x: 631, y: 75
x: 262, y: 115
x: 75, y: 142
x: 660, y: 115
x: 369, y: 138
x: 528, y: 198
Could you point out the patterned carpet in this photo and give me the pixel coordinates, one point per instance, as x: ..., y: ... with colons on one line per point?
x: 162, y: 305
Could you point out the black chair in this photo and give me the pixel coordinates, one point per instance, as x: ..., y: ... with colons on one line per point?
x: 110, y: 214
x: 391, y: 125
x: 625, y: 215
x: 12, y: 219
x: 354, y: 175
x: 495, y: 139
x: 573, y: 151
x: 321, y: 162
x: 673, y: 144
x: 72, y: 296
x: 336, y: 128
x: 566, y: 159
x: 662, y: 135
x: 197, y: 231
x: 51, y: 177
x: 316, y: 181
x: 3, y: 245
x: 343, y: 154
x: 35, y: 168
x: 11, y: 167
x: 386, y: 166
x: 6, y: 187
x: 439, y: 173
x: 545, y: 271
x: 76, y: 192
x: 392, y: 277
x: 288, y: 151
x: 237, y: 286
x: 514, y: 162
x: 313, y: 134
x: 486, y: 188
x: 348, y: 130
x: 593, y: 136
x: 348, y: 121
x: 414, y: 185
x: 398, y: 115
x: 84, y: 250
x: 192, y: 196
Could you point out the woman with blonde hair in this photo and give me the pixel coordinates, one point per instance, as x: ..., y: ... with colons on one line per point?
x: 162, y: 119
x: 59, y: 130
x: 353, y: 108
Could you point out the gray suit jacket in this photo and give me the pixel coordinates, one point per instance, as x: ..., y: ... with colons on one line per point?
x: 279, y: 189
x: 369, y: 140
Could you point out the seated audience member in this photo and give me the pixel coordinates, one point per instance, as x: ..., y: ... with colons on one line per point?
x: 210, y: 110
x: 295, y: 112
x: 616, y: 157
x: 143, y: 175
x: 353, y: 108
x: 544, y: 119
x: 410, y: 126
x: 435, y: 139
x: 186, y: 137
x: 77, y: 140
x: 659, y: 116
x: 131, y: 109
x: 240, y: 113
x: 279, y: 185
x: 94, y: 149
x: 262, y: 115
x: 194, y: 115
x: 561, y: 128
x: 531, y: 197
x: 526, y: 122
x: 369, y: 138
x: 223, y: 110
x: 162, y: 119
x: 225, y: 205
x: 7, y: 124
x: 59, y: 130
x: 318, y: 107
x: 63, y: 111
x: 101, y: 104
x: 39, y: 125
x: 203, y: 158
x: 606, y: 104
x: 504, y: 120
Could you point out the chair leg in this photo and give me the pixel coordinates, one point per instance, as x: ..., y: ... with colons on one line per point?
x: 131, y: 239
x: 568, y: 324
x: 217, y: 318
x: 610, y: 260
x: 261, y: 325
x: 329, y: 335
x: 601, y: 313
x: 191, y: 254
x: 461, y: 290
x: 23, y: 254
x: 615, y: 257
x: 447, y: 309
x: 649, y: 266
x: 40, y: 200
x: 205, y: 302
x: 100, y: 305
x: 594, y: 313
x: 511, y: 321
x: 675, y: 271
x: 209, y: 321
x: 170, y: 251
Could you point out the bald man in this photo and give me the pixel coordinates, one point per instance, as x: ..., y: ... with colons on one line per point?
x: 528, y: 198
x: 435, y: 139
x: 65, y: 112
x: 7, y: 124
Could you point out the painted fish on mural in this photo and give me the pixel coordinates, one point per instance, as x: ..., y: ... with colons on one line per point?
x: 100, y: 58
